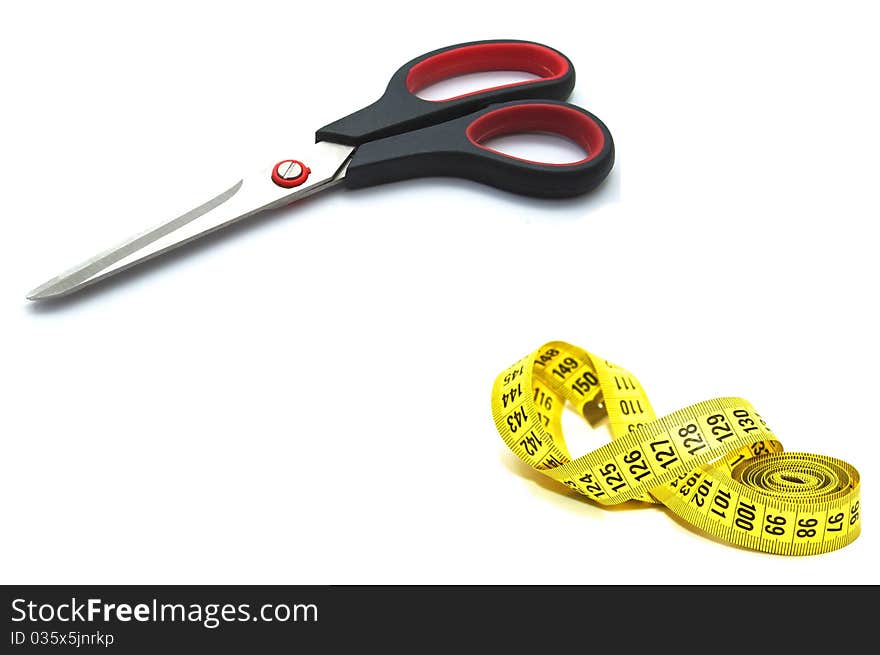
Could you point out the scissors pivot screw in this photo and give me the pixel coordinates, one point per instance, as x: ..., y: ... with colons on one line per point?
x: 290, y: 173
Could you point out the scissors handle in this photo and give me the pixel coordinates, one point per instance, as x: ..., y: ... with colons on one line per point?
x: 401, y: 110
x: 455, y: 148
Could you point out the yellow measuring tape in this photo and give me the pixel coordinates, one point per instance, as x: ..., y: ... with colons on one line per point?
x: 715, y: 464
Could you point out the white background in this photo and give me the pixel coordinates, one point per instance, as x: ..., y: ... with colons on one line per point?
x: 306, y: 399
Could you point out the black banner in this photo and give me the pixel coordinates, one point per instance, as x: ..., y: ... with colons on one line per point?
x: 284, y: 619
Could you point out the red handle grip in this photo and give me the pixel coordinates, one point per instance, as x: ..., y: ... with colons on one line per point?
x: 546, y: 63
x: 564, y: 120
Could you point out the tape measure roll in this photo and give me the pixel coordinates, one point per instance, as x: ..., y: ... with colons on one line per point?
x: 715, y: 464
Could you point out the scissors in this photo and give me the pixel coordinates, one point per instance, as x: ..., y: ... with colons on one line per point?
x: 402, y: 136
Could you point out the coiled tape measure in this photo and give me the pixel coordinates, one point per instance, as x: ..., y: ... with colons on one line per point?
x: 715, y: 464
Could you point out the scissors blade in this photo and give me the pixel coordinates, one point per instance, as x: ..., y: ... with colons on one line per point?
x: 247, y: 197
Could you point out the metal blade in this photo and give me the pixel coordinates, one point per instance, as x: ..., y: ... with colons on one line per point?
x: 245, y: 198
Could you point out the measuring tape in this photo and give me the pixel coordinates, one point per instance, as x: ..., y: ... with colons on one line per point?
x: 715, y: 464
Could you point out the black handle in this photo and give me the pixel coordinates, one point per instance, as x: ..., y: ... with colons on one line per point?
x: 400, y: 110
x: 455, y: 148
